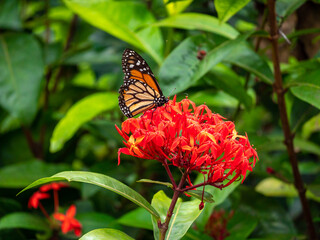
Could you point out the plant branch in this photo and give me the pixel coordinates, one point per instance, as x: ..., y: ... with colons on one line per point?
x: 279, y: 90
x: 163, y: 227
x: 67, y: 45
x: 33, y: 146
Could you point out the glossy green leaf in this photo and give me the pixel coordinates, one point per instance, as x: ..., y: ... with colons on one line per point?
x: 10, y: 14
x: 80, y: 113
x: 138, y: 218
x: 20, y: 75
x: 101, y: 181
x: 155, y: 182
x: 207, y: 197
x: 182, y: 68
x: 311, y: 126
x: 183, y: 216
x: 106, y: 234
x: 119, y: 19
x: 307, y: 88
x: 21, y: 174
x: 227, y: 8
x: 198, y: 21
x: 284, y: 8
x: 225, y: 79
x: 243, y: 56
x: 273, y: 187
x: 25, y: 221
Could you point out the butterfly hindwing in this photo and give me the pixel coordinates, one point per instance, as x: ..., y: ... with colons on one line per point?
x: 140, y: 90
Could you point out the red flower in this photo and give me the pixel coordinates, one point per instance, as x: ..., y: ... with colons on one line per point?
x: 192, y: 138
x: 34, y: 200
x: 53, y: 186
x: 68, y: 221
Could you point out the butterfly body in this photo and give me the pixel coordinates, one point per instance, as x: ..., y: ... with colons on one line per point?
x: 140, y: 90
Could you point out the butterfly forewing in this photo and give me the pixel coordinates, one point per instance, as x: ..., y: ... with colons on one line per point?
x: 140, y: 90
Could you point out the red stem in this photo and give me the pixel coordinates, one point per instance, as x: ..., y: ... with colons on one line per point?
x: 56, y: 201
x: 279, y: 90
x: 165, y: 164
x: 45, y: 212
x: 163, y: 227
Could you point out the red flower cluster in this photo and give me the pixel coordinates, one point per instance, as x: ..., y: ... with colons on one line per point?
x: 68, y: 221
x: 189, y: 137
x: 34, y: 200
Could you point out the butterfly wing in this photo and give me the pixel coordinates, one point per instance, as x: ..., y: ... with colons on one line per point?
x: 140, y: 90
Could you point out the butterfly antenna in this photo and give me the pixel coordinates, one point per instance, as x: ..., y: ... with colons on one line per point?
x: 172, y: 91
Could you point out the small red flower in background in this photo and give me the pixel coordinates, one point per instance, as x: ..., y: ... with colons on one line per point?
x: 34, y: 200
x: 68, y: 222
x: 192, y: 138
x: 53, y: 186
x: 216, y: 226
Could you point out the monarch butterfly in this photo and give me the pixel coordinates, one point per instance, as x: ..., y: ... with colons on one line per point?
x: 140, y: 90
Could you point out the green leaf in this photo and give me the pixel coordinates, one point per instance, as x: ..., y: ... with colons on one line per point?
x: 198, y: 21
x: 241, y: 225
x: 80, y: 113
x: 214, y: 98
x: 183, y: 215
x: 311, y: 126
x: 207, y: 197
x: 138, y: 218
x: 284, y: 8
x: 123, y: 20
x: 307, y: 88
x: 101, y: 181
x: 21, y: 174
x: 243, y: 56
x: 20, y: 75
x: 273, y: 187
x: 106, y: 234
x: 225, y: 79
x: 25, y: 221
x: 156, y: 182
x: 182, y: 68
x: 10, y: 16
x: 175, y: 7
x: 227, y: 8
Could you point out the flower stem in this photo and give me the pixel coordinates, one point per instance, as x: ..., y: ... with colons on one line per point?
x: 288, y: 135
x: 56, y: 201
x: 177, y: 191
x: 165, y: 164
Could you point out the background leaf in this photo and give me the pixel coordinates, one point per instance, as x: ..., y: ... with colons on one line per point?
x: 21, y: 174
x: 182, y: 68
x: 10, y: 11
x: 23, y: 220
x: 80, y: 113
x: 307, y: 88
x: 20, y: 75
x: 118, y: 19
x: 197, y: 21
x: 227, y: 8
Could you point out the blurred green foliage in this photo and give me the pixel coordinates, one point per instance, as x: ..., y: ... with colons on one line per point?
x: 60, y: 70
